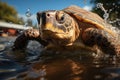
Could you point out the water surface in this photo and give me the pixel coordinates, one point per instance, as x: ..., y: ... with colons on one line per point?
x: 35, y: 63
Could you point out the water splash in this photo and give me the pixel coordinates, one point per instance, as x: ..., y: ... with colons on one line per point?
x: 9, y: 43
x: 117, y: 20
x: 28, y: 13
x: 106, y: 14
x: 26, y: 24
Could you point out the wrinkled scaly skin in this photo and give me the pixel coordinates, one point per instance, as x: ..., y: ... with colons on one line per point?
x: 30, y: 34
x: 102, y: 39
x: 61, y: 29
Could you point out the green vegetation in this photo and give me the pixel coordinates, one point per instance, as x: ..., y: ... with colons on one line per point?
x: 112, y: 7
x: 9, y: 14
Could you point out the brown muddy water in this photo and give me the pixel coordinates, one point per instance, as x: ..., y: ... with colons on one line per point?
x: 36, y: 63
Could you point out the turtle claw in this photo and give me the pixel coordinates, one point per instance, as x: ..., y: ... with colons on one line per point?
x: 22, y: 40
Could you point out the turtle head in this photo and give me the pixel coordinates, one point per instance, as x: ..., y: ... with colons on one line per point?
x: 57, y: 27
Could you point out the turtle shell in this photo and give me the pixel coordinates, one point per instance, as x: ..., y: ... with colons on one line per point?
x: 88, y: 18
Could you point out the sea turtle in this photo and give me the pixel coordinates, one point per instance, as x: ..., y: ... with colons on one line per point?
x: 71, y: 26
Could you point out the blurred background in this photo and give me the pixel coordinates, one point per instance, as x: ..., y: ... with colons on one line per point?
x: 24, y: 12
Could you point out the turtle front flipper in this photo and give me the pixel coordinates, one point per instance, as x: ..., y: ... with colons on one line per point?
x: 30, y: 34
x: 105, y: 42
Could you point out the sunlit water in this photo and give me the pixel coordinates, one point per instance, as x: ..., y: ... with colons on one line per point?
x: 36, y: 63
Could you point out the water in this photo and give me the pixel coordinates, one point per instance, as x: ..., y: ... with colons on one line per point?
x: 106, y: 16
x: 28, y: 13
x: 35, y: 63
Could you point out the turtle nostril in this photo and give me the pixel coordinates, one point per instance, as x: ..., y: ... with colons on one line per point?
x: 48, y: 15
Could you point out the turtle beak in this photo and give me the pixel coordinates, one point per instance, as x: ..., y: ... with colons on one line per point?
x: 46, y: 19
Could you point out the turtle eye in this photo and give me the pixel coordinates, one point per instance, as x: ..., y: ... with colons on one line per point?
x: 60, y: 17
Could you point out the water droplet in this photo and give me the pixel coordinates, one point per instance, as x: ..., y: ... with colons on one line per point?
x: 9, y: 43
x: 116, y: 6
x: 20, y: 31
x: 28, y: 13
x: 113, y: 4
x: 110, y: 10
x: 119, y: 23
x: 106, y: 15
x: 99, y: 5
x: 26, y: 24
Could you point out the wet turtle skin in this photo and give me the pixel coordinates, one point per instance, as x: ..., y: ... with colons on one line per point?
x: 70, y: 26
